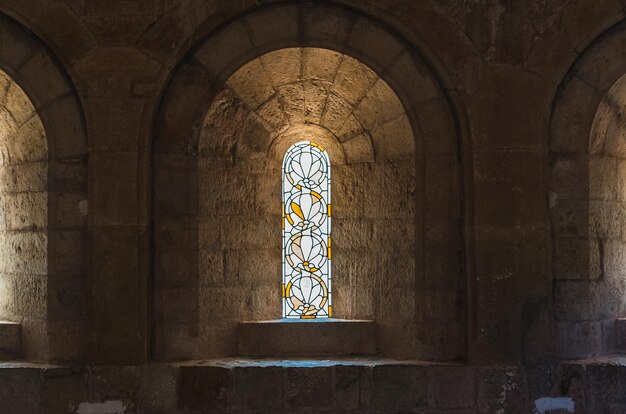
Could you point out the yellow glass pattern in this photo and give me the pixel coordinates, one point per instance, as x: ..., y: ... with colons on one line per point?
x: 306, y: 284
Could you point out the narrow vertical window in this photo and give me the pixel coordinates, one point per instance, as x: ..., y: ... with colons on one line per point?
x: 306, y: 232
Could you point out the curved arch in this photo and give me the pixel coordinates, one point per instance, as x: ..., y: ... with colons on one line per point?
x: 195, y: 83
x: 586, y: 204
x: 55, y: 333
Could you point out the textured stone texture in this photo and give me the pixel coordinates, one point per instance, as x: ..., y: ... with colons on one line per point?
x: 122, y: 231
x: 331, y: 337
x: 10, y: 340
x: 234, y: 188
x: 588, y: 202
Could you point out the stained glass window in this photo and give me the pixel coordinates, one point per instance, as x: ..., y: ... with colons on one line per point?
x: 306, y: 219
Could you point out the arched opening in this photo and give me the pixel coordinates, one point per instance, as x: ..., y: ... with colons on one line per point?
x: 265, y: 108
x: 226, y: 122
x: 43, y: 201
x: 23, y: 214
x: 588, y: 199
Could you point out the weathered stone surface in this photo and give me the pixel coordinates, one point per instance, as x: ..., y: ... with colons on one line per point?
x: 307, y: 338
x: 10, y: 339
x: 400, y: 387
x: 203, y: 388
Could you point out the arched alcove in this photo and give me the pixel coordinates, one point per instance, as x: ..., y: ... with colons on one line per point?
x: 229, y: 114
x: 43, y: 208
x: 587, y: 199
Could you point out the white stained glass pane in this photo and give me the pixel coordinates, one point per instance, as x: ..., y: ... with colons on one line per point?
x: 306, y: 232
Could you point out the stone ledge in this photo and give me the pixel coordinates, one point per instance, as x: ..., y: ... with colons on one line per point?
x: 305, y: 338
x: 596, y: 384
x: 10, y: 340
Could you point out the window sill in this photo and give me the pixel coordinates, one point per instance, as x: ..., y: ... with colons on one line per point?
x: 307, y: 337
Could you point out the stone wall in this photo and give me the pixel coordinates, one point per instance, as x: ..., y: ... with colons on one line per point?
x: 396, y: 203
x: 43, y: 199
x: 587, y: 200
x: 23, y: 216
x: 518, y: 246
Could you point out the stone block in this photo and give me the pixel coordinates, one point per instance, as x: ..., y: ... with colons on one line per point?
x: 573, y: 117
x: 507, y: 174
x: 114, y: 383
x: 502, y: 388
x: 68, y: 298
x: 453, y: 387
x: 67, y: 339
x: 606, y: 387
x: 44, y: 79
x: 359, y: 149
x: 35, y: 340
x: 179, y: 232
x: 10, y: 340
x: 62, y: 389
x: 31, y: 295
x: 68, y: 210
x: 579, y: 339
x: 401, y: 387
x: 29, y: 177
x: 393, y: 140
x: 25, y: 211
x: 259, y: 388
x: 204, y: 388
x: 573, y: 300
x: 66, y: 28
x: 409, y: 76
x: 284, y: 69
x: 114, y: 188
x: 217, y: 337
x: 353, y: 387
x: 306, y: 387
x: 273, y: 27
x: 64, y: 128
x: 317, y: 337
x: 67, y: 175
x: 250, y: 233
x: 382, y: 48
x: 379, y: 106
x: 15, y: 45
x: 225, y: 193
x: 250, y: 83
x: 292, y: 100
x: 620, y: 333
x: 184, y: 108
x: 260, y: 267
x: 600, y: 68
x: 20, y: 390
x: 436, y: 133
x: 609, y: 335
x: 174, y: 341
x: 117, y: 127
x: 570, y: 218
x: 177, y: 268
x: 602, y: 178
x: 211, y: 267
x: 324, y: 26
x: 443, y: 270
x: 158, y: 389
x: 175, y: 305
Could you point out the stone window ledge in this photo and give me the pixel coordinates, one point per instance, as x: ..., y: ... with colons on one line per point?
x: 307, y: 337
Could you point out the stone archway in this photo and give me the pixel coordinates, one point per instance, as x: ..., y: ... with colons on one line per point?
x: 436, y: 328
x: 587, y: 198
x: 44, y: 191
